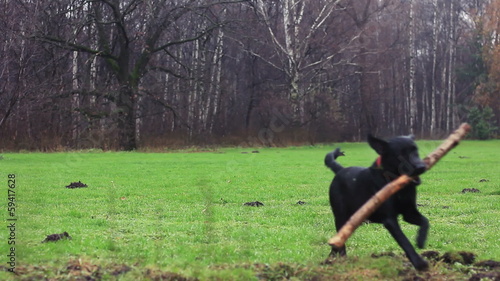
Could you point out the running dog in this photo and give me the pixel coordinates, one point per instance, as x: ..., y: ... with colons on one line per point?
x: 353, y: 186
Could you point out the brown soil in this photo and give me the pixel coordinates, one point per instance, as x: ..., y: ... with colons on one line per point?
x: 56, y: 237
x: 254, y: 204
x: 443, y: 267
x: 78, y: 184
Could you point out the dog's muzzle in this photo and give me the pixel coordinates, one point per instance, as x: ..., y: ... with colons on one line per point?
x: 419, y: 169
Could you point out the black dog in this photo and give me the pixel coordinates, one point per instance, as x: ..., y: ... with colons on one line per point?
x: 353, y: 186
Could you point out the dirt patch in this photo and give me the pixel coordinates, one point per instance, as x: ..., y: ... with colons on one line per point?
x: 158, y: 275
x: 56, y: 237
x: 119, y: 269
x: 254, y: 204
x: 382, y: 266
x: 462, y: 257
x: 253, y: 151
x: 78, y: 184
x: 383, y: 254
x: 485, y: 276
x: 488, y: 263
x: 471, y: 190
x: 82, y: 270
x: 431, y: 255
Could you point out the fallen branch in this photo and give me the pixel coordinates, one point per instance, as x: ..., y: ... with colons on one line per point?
x: 382, y: 195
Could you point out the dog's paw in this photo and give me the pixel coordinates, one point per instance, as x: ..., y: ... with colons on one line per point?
x: 421, y: 265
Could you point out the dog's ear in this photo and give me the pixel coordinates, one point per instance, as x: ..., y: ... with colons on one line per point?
x: 379, y: 145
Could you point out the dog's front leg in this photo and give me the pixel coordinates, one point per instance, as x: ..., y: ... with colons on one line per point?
x: 392, y: 225
x: 338, y: 252
x: 334, y: 254
x: 417, y: 219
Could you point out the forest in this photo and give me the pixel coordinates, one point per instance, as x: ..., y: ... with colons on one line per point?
x: 136, y: 74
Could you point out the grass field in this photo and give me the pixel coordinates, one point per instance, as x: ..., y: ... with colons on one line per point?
x: 182, y: 213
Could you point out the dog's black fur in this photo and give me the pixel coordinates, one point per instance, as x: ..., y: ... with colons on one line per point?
x: 353, y: 186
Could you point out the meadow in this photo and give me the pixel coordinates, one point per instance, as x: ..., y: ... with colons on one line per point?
x: 183, y: 212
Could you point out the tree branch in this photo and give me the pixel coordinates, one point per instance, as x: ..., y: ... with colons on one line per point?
x: 72, y: 46
x: 185, y: 40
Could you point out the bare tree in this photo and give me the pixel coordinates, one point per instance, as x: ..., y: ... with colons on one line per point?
x: 293, y: 38
x: 121, y: 74
x: 412, y: 96
x: 128, y: 35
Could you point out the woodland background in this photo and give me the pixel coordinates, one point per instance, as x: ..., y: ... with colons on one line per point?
x: 110, y: 74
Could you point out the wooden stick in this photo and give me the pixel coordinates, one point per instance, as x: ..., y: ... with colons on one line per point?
x: 338, y: 241
x: 447, y: 145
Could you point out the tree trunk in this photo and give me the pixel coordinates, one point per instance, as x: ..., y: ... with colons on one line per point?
x: 216, y: 78
x: 126, y: 119
x: 412, y: 93
x: 75, y: 102
x: 252, y: 103
x: 435, y: 27
x: 292, y: 17
x: 424, y: 114
x: 450, y: 86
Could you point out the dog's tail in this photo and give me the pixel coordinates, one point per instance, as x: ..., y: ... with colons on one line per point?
x: 330, y: 160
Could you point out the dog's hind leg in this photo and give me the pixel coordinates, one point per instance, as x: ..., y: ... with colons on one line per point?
x: 339, y: 222
x: 392, y: 225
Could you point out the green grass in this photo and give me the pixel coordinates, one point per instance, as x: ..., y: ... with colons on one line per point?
x: 184, y: 212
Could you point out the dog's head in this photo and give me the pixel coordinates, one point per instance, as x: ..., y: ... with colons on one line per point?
x: 398, y: 155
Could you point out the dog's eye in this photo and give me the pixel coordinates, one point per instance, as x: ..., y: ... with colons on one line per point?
x: 410, y: 151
